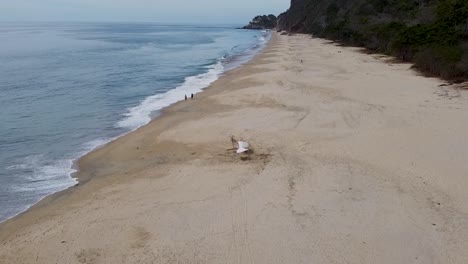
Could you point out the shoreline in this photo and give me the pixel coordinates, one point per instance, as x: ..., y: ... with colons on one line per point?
x: 352, y: 162
x: 83, y: 178
x: 239, y: 60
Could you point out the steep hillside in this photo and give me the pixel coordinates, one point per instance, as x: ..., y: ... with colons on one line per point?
x: 431, y: 33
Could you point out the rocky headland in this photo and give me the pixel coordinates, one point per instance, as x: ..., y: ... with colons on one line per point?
x: 262, y: 22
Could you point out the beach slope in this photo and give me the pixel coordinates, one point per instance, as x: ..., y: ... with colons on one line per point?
x: 355, y: 160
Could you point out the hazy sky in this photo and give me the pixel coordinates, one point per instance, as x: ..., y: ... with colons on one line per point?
x: 168, y: 11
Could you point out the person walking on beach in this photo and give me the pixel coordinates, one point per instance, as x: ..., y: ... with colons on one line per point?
x: 185, y: 97
x: 191, y: 96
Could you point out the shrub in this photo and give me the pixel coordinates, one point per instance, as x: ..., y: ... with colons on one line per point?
x: 431, y: 33
x: 439, y: 60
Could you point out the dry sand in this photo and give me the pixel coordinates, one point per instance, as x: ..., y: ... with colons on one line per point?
x: 356, y: 160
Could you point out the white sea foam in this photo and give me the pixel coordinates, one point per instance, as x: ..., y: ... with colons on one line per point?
x: 94, y: 144
x: 263, y: 39
x: 46, y: 176
x: 141, y: 114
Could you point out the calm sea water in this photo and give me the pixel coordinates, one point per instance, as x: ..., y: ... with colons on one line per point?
x: 66, y: 89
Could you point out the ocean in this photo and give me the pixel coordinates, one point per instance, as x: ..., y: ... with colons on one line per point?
x: 66, y: 89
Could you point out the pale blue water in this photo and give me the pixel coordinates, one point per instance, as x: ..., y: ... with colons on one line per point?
x: 66, y: 89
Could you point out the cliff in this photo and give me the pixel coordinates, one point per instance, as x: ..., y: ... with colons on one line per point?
x: 262, y: 22
x: 433, y: 34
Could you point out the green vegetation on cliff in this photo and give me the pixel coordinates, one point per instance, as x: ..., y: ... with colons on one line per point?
x: 433, y: 34
x: 262, y: 22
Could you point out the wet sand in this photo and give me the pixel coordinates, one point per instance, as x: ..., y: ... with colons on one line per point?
x: 355, y: 160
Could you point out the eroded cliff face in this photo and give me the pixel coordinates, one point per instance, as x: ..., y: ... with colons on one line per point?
x: 292, y: 20
x: 433, y: 34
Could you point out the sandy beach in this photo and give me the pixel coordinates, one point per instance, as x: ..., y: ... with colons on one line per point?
x: 356, y: 160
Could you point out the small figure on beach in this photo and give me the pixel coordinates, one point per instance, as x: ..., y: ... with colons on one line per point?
x: 185, y: 97
x: 302, y: 61
x: 191, y: 96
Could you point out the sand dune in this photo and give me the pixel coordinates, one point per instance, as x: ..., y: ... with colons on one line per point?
x: 356, y: 160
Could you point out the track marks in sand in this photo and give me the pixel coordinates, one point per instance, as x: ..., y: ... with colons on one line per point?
x: 297, y: 170
x: 346, y: 182
x: 304, y: 115
x: 89, y: 256
x: 140, y: 237
x: 300, y: 216
x: 351, y: 120
x: 448, y: 93
x: 241, y: 246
